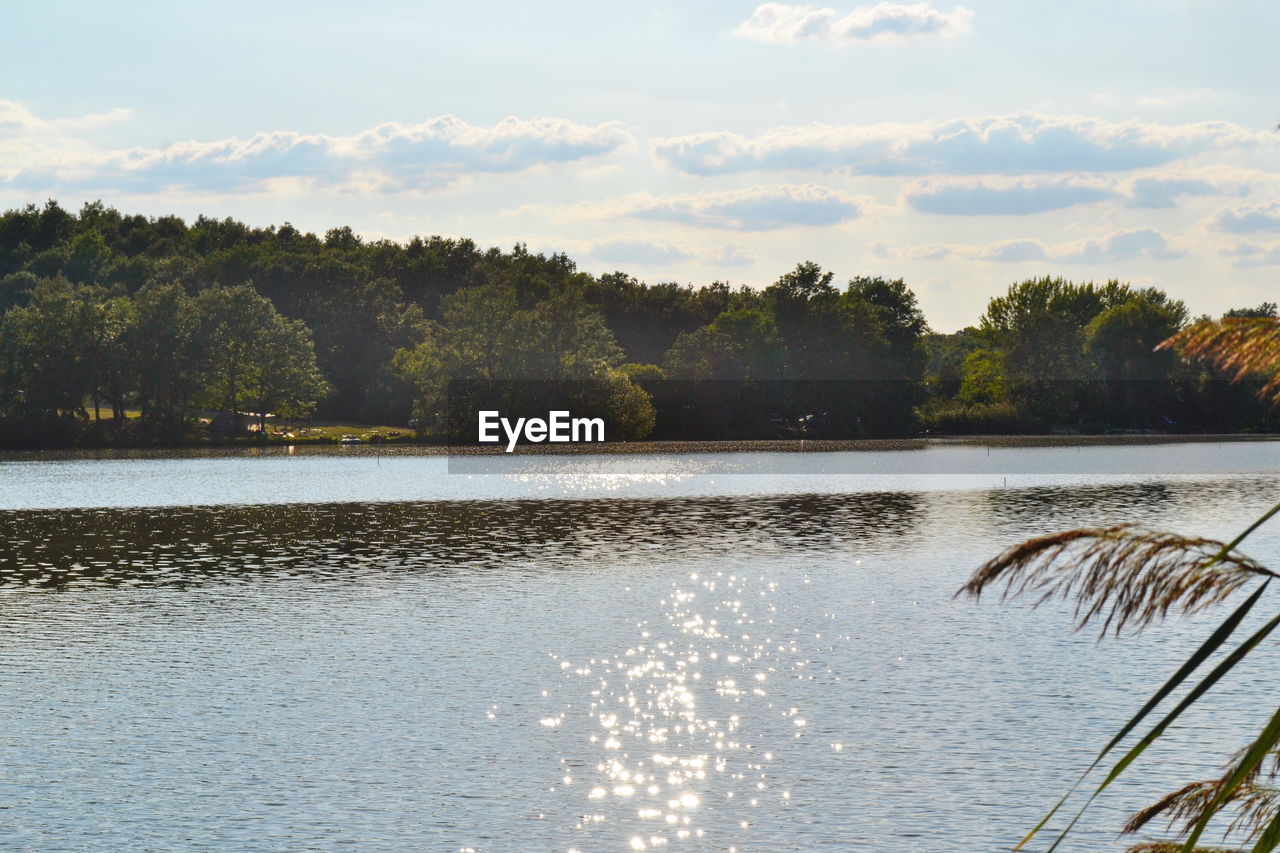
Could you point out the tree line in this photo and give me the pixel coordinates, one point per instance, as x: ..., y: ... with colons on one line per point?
x: 119, y: 328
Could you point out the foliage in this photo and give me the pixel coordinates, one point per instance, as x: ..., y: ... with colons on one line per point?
x: 160, y: 350
x: 959, y: 418
x: 811, y: 355
x: 47, y: 349
x: 984, y: 379
x: 1129, y: 576
x: 253, y: 356
x: 164, y: 357
x: 1074, y: 351
x: 558, y: 352
x: 1241, y: 347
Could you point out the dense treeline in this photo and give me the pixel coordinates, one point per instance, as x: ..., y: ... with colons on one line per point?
x: 1051, y: 354
x: 120, y: 328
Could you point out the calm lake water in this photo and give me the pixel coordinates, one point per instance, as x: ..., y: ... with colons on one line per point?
x: 688, y: 653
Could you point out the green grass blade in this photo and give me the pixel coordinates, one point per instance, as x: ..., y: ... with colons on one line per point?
x: 1231, y: 546
x: 1187, y: 701
x: 1258, y: 751
x: 1216, y: 639
x: 1192, y: 663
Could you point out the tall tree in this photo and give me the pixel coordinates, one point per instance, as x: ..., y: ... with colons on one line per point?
x: 1136, y: 378
x: 558, y: 352
x: 249, y: 350
x: 47, y: 357
x: 164, y: 357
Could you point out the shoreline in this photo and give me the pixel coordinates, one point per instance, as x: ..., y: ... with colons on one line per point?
x: 790, y: 445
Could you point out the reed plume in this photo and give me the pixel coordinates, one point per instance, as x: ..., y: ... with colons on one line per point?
x: 1256, y: 801
x: 1121, y: 575
x: 1241, y: 347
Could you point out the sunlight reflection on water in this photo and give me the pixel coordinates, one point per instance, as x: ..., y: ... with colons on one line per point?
x: 771, y: 668
x: 687, y: 733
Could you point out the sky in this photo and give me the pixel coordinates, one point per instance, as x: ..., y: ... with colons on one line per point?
x: 961, y: 147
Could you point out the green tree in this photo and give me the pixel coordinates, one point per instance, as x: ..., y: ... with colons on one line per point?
x: 1070, y: 351
x: 742, y: 343
x: 164, y: 357
x: 250, y: 353
x: 108, y: 353
x: 16, y: 289
x: 983, y: 378
x: 87, y: 255
x: 1216, y: 399
x: 288, y: 381
x: 558, y: 352
x: 944, y: 370
x: 1136, y: 378
x: 900, y: 325
x: 47, y: 350
x: 1038, y: 328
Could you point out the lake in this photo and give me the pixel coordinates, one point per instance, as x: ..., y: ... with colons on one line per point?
x: 689, y: 652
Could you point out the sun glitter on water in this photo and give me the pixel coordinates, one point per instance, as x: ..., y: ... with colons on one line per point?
x: 681, y: 730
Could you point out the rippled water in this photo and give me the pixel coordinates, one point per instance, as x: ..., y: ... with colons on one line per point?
x: 673, y: 660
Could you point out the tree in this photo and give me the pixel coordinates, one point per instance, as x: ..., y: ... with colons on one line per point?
x: 742, y: 343
x: 1219, y: 400
x: 1038, y: 328
x: 87, y: 255
x: 1135, y: 376
x: 1081, y: 354
x: 900, y: 323
x: 250, y: 353
x: 851, y: 360
x: 47, y: 350
x: 1127, y: 576
x: 164, y: 357
x: 556, y: 354
x: 288, y: 381
x: 107, y: 351
x: 984, y: 380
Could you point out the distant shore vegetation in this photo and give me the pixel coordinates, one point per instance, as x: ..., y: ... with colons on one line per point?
x: 120, y: 329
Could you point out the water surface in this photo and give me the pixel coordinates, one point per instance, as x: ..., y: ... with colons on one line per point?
x: 648, y: 654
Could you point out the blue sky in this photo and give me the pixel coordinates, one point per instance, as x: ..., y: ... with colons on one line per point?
x: 960, y: 146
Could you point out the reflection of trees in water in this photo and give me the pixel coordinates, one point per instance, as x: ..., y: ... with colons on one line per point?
x: 60, y: 548
x: 1013, y: 511
x: 1050, y: 505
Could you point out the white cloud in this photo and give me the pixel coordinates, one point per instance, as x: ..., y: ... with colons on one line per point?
x: 931, y: 252
x: 1246, y: 254
x: 659, y: 253
x: 1118, y: 246
x: 759, y: 208
x: 1123, y: 245
x: 1022, y: 143
x: 1249, y: 219
x: 644, y: 252
x: 1163, y: 191
x: 392, y: 156
x: 732, y: 256
x: 1014, y: 251
x: 779, y: 23
x: 17, y: 120
x: 1030, y: 195
x: 1005, y: 198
